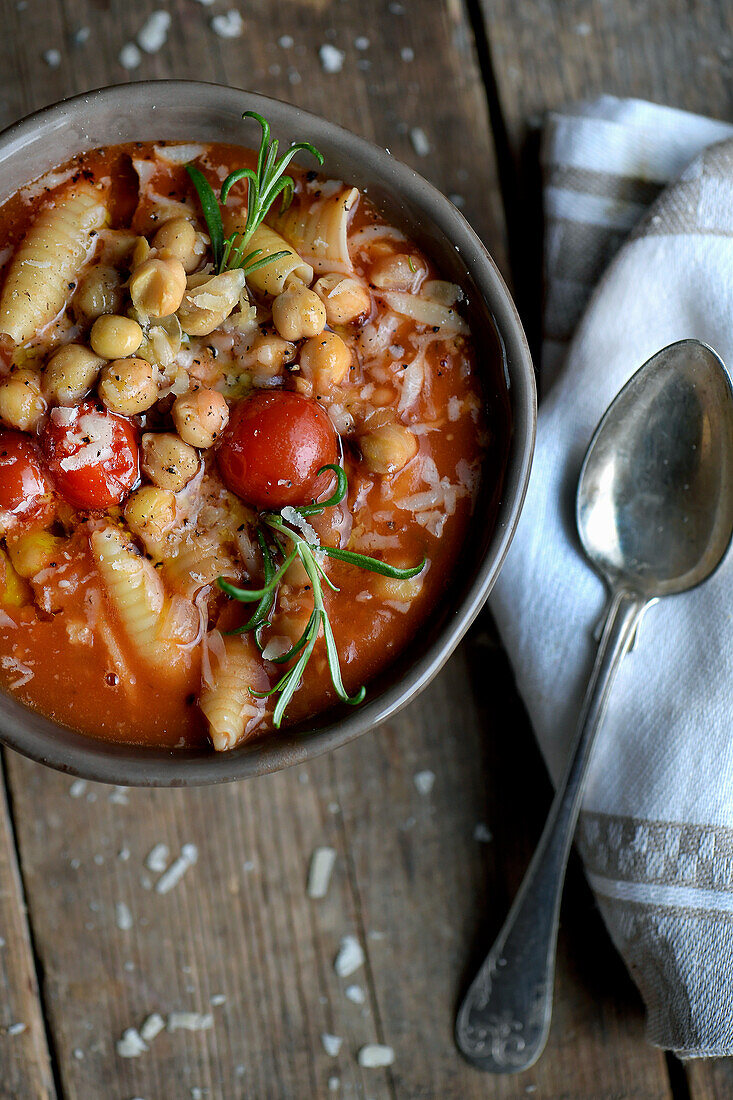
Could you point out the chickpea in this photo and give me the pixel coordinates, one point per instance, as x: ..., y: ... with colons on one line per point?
x: 390, y: 588
x: 168, y: 461
x: 345, y: 299
x: 200, y: 416
x: 114, y: 337
x: 128, y: 386
x: 140, y: 252
x: 177, y: 239
x: 21, y: 402
x: 388, y: 449
x: 325, y: 360
x: 296, y: 575
x: 271, y: 354
x: 99, y: 291
x: 298, y: 312
x: 150, y: 513
x: 70, y: 374
x: 398, y: 272
x: 157, y: 287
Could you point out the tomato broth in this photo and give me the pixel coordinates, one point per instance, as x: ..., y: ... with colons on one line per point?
x: 176, y: 428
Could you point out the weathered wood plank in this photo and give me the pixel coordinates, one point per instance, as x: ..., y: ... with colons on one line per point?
x: 544, y: 53
x: 25, y: 1069
x: 409, y: 868
x: 711, y: 1080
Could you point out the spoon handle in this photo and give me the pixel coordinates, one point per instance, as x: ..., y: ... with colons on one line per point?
x: 503, y: 1023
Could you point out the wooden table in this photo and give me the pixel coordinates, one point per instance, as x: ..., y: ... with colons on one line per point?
x: 89, y: 947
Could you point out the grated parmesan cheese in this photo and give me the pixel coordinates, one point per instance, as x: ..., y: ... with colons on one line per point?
x: 25, y: 673
x: 331, y: 1044
x: 176, y: 871
x: 424, y: 781
x: 350, y: 957
x: 229, y: 25
x: 319, y: 874
x: 190, y: 1021
x: 332, y: 59
x: 154, y: 31
x: 131, y: 1044
x: 123, y: 916
x: 375, y: 1056
x: 129, y: 56
x: 152, y: 1027
x: 157, y: 859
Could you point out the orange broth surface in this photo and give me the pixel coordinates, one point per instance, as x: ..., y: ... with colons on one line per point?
x: 64, y: 651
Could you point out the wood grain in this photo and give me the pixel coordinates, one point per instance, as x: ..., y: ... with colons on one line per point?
x: 25, y: 1069
x: 412, y: 882
x: 540, y: 54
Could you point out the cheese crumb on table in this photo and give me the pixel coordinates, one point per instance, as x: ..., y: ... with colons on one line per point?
x: 424, y: 781
x: 355, y: 994
x: 229, y: 25
x: 131, y: 1044
x: 319, y: 874
x: 190, y: 1021
x: 176, y: 871
x: 331, y: 1044
x: 350, y: 957
x: 123, y: 916
x: 332, y: 59
x: 419, y: 140
x: 129, y: 56
x: 52, y: 58
x: 374, y: 1056
x: 154, y: 31
x: 152, y: 1026
x: 157, y: 858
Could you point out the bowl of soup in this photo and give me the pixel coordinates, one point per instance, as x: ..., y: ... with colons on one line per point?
x: 266, y: 423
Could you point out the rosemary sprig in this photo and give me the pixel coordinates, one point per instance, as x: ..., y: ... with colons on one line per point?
x: 312, y: 559
x: 264, y: 186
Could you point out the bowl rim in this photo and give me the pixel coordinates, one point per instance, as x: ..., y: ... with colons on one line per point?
x: 105, y: 761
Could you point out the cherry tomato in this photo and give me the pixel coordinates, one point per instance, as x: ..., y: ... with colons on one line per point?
x: 24, y: 489
x: 92, y: 455
x: 273, y: 448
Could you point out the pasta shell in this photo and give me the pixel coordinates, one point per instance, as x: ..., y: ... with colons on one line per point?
x: 231, y: 709
x: 320, y: 231
x: 48, y: 260
x: 269, y: 279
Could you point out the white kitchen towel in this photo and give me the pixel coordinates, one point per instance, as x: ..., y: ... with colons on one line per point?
x: 634, y: 262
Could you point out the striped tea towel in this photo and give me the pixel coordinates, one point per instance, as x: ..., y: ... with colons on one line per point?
x: 634, y: 262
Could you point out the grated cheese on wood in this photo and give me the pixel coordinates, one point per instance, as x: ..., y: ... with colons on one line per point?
x: 375, y: 1056
x: 176, y: 871
x: 350, y: 957
x: 190, y: 1021
x: 319, y: 874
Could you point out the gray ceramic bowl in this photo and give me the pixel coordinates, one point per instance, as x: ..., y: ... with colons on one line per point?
x: 189, y: 111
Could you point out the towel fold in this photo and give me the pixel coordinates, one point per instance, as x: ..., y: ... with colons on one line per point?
x: 638, y: 253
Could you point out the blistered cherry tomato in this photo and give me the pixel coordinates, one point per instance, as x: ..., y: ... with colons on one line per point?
x: 92, y: 455
x: 24, y: 488
x: 273, y: 448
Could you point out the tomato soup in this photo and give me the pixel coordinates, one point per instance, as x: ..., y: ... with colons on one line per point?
x: 243, y: 434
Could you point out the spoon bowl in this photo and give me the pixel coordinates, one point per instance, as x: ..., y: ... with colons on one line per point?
x: 655, y: 518
x: 655, y: 498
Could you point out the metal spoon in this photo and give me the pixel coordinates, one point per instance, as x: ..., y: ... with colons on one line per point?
x: 655, y: 517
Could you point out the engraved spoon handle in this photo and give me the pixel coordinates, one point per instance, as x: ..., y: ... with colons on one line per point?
x: 503, y: 1023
